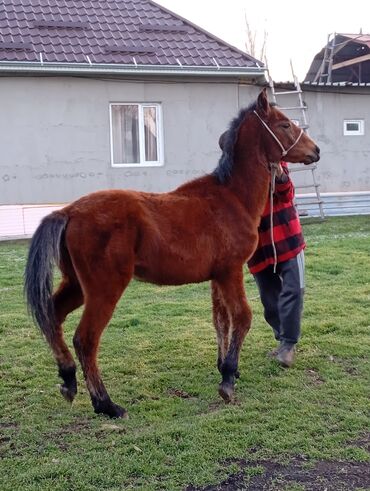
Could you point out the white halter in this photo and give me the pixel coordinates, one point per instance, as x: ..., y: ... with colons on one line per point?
x: 284, y: 152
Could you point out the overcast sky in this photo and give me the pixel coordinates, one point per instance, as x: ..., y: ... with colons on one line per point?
x: 295, y: 30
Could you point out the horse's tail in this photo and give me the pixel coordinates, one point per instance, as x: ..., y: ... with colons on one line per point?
x: 44, y: 251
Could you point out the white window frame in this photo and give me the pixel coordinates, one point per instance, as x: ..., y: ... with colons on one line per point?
x: 359, y: 132
x: 160, y: 153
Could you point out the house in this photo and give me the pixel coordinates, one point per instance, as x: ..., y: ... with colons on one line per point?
x: 108, y: 94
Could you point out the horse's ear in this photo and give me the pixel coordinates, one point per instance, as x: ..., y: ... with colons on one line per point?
x: 262, y: 103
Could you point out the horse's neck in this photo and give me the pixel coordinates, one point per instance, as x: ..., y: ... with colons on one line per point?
x: 250, y: 181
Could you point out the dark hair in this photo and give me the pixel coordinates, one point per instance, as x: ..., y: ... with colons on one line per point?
x: 227, y: 143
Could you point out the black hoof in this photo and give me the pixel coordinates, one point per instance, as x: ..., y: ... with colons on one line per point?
x: 69, y: 388
x: 226, y: 391
x: 109, y: 408
x: 68, y: 393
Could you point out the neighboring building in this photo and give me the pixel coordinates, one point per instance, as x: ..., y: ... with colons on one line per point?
x: 109, y: 94
x: 345, y: 58
x: 337, y: 92
x: 339, y: 122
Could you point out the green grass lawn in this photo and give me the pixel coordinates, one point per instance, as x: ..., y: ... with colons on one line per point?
x: 158, y: 359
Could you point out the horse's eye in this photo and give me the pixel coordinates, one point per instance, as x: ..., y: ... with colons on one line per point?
x: 286, y: 125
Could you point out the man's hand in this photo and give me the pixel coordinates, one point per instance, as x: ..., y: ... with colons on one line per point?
x: 279, y: 171
x: 280, y: 175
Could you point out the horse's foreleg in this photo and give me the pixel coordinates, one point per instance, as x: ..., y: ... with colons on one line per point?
x: 67, y: 298
x: 241, y: 317
x: 221, y: 321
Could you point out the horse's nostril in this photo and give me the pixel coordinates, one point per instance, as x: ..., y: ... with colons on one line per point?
x: 317, y: 150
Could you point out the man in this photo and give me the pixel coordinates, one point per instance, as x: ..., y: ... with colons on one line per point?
x: 278, y: 267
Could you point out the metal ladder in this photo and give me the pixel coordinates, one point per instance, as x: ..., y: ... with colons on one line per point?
x: 332, y: 48
x: 323, y: 75
x: 301, y: 109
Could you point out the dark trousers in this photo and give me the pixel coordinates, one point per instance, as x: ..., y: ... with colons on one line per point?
x: 282, y: 297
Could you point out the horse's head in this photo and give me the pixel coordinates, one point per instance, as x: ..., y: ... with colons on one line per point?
x: 262, y: 131
x: 283, y: 139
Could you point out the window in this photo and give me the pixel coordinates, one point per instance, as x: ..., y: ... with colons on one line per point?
x: 353, y: 127
x: 136, y: 134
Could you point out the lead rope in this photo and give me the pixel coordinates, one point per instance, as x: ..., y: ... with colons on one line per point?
x: 272, y: 191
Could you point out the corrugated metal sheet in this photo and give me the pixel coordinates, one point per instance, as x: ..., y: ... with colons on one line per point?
x: 11, y: 221
x: 337, y: 84
x: 335, y: 204
x: 20, y: 221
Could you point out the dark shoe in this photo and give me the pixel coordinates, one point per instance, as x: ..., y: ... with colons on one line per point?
x: 285, y: 356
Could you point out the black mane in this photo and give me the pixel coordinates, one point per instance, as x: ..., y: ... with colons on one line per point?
x: 225, y: 164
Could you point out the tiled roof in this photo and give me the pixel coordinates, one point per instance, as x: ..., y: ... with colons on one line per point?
x: 109, y: 32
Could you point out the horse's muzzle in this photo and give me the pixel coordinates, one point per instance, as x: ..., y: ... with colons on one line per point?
x: 313, y: 157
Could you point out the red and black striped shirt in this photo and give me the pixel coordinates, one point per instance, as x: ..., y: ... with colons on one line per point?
x: 288, y: 237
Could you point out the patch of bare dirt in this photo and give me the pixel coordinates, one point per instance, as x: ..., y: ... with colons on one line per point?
x: 215, y: 406
x: 8, y: 425
x: 363, y: 442
x: 8, y: 431
x: 314, y: 376
x: 346, y: 365
x: 316, y: 476
x: 179, y: 393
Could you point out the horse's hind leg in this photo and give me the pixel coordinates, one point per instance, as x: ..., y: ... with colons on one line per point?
x: 232, y: 288
x: 96, y: 316
x: 67, y: 298
x: 101, y: 300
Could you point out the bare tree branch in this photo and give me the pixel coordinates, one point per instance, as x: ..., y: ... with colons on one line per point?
x: 251, y: 45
